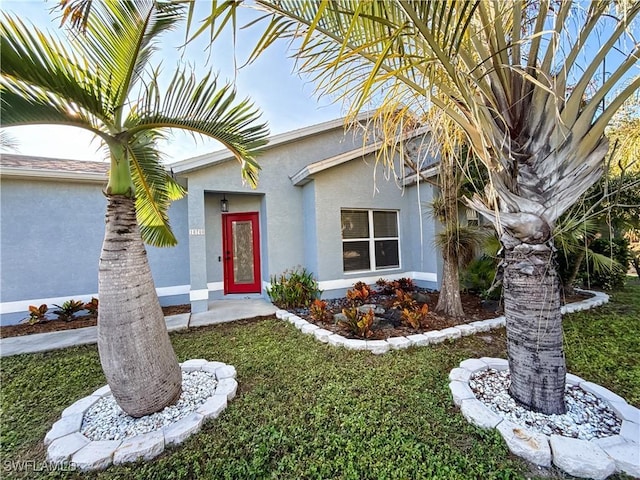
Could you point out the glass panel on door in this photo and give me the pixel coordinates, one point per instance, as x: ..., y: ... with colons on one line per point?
x: 243, y: 271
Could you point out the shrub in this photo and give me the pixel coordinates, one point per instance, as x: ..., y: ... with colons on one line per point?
x: 415, y: 317
x: 359, y: 294
x: 68, y: 309
x: 358, y: 323
x: 387, y: 287
x: 405, y: 284
x: 92, y: 306
x: 294, y: 288
x: 384, y: 287
x: 403, y: 300
x: 37, y: 314
x: 478, y: 277
x: 318, y: 310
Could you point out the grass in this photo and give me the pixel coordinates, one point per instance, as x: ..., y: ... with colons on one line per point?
x: 308, y: 410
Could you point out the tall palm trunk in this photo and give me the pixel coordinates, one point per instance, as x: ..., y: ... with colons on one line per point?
x: 135, y: 351
x: 534, y: 325
x: 449, y: 301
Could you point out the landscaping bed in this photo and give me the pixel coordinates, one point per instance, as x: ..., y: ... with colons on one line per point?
x: 80, y: 321
x: 391, y: 309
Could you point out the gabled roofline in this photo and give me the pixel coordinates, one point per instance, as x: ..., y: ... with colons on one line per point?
x: 304, y: 176
x: 428, y: 172
x: 220, y: 156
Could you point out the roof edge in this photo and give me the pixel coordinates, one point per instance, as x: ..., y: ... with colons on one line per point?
x: 53, y: 175
x: 304, y: 176
x: 219, y: 156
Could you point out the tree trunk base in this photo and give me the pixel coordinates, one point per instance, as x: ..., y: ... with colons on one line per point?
x: 135, y: 350
x: 534, y: 328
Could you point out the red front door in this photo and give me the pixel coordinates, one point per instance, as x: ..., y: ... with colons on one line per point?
x: 241, y: 252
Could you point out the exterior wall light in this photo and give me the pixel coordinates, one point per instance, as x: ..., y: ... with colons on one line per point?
x: 224, y: 204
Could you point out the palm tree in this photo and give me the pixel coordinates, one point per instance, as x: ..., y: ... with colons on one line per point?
x: 520, y: 78
x: 102, y: 81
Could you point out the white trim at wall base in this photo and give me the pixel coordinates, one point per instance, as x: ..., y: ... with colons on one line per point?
x: 340, y: 283
x: 425, y: 276
x: 175, y: 290
x: 215, y: 286
x: 195, y: 295
x: 23, y: 305
x: 348, y: 282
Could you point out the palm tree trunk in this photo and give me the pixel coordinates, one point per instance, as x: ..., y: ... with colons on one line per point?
x: 534, y: 326
x: 135, y: 350
x: 449, y: 301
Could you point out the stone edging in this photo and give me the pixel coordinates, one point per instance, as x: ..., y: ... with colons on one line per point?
x: 596, y: 458
x: 66, y: 445
x: 378, y: 347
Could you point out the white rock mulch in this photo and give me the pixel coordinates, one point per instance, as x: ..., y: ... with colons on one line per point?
x: 598, y: 436
x: 105, y: 420
x: 94, y: 432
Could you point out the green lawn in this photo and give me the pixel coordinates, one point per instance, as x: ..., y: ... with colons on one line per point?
x: 308, y: 410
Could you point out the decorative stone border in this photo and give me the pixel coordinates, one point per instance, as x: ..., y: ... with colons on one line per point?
x: 595, y: 459
x: 66, y: 445
x: 378, y: 347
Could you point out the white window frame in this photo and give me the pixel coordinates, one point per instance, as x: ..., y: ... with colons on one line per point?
x: 372, y: 240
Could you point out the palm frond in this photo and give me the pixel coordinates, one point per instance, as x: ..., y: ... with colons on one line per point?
x: 16, y: 108
x: 205, y: 108
x: 42, y: 70
x: 155, y: 190
x: 460, y: 242
x: 121, y: 37
x: 600, y: 262
x: 544, y: 145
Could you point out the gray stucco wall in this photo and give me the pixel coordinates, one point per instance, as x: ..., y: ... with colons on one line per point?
x: 300, y: 225
x: 51, y: 235
x: 358, y: 185
x: 51, y: 238
x: 280, y: 205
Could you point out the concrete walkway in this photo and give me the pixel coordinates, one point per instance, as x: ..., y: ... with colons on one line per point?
x: 220, y: 311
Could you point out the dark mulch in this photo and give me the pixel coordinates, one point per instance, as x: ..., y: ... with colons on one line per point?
x: 79, y: 321
x: 389, y: 324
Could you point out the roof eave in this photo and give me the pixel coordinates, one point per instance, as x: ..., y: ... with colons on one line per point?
x: 304, y: 176
x: 208, y: 159
x: 52, y: 175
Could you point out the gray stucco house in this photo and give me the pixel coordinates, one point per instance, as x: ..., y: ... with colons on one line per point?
x: 321, y: 203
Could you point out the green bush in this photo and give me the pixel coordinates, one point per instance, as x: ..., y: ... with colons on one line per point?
x: 614, y: 278
x: 478, y: 278
x: 295, y: 288
x: 68, y: 309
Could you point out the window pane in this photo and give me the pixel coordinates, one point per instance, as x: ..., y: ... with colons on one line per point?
x: 355, y: 224
x: 355, y: 256
x: 387, y: 254
x: 385, y: 224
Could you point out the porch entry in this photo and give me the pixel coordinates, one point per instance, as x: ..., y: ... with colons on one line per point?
x: 241, y: 252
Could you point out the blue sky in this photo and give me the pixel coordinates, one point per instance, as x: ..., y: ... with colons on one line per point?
x: 287, y: 101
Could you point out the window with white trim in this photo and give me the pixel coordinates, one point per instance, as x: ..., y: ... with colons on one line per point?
x: 370, y: 240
